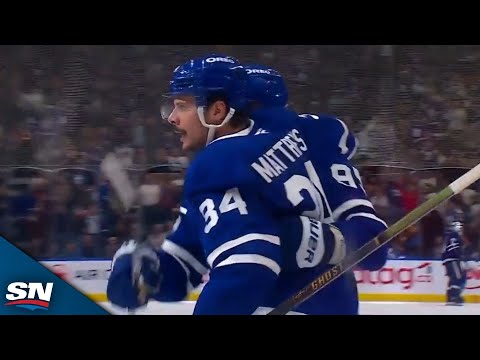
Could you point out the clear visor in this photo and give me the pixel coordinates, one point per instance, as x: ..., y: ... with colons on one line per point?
x: 166, y: 108
x: 170, y: 104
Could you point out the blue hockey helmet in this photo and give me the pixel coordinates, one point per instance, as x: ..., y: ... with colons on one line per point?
x: 208, y: 76
x: 266, y: 86
x: 211, y: 76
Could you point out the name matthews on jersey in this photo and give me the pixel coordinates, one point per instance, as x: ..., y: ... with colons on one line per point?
x: 288, y: 149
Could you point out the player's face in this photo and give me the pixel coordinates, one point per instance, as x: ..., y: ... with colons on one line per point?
x: 185, y: 118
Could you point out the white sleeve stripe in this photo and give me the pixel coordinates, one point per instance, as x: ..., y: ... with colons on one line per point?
x: 342, y: 144
x: 126, y: 248
x: 354, y: 151
x: 239, y: 241
x: 183, y: 210
x: 452, y: 246
x: 251, y: 259
x: 368, y: 215
x: 348, y: 205
x: 174, y: 249
x: 189, y: 285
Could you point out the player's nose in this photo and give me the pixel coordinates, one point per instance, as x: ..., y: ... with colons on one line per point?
x: 173, y: 118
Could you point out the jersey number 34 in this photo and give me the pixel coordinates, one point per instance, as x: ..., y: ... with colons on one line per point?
x: 294, y: 187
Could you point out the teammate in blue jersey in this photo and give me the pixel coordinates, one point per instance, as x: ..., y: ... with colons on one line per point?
x: 452, y: 257
x: 267, y: 89
x: 239, y: 191
x: 331, y: 146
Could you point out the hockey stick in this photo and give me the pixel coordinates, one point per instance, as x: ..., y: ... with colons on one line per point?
x: 353, y: 259
x: 118, y: 177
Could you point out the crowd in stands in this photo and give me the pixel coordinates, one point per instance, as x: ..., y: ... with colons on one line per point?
x: 414, y: 109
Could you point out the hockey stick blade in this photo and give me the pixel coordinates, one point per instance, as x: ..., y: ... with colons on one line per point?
x: 354, y: 258
x: 118, y: 177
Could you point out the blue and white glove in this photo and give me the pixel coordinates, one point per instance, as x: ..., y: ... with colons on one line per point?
x: 312, y: 243
x: 135, y: 275
x: 146, y: 274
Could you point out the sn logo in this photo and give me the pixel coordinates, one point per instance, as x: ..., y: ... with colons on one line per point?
x: 37, y: 297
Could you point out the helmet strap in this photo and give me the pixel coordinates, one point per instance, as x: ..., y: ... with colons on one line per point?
x: 211, y: 127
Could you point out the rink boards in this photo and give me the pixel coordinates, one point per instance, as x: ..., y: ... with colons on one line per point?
x: 398, y: 280
x: 366, y: 308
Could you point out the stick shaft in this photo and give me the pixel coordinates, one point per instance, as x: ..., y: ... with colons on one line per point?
x: 353, y: 259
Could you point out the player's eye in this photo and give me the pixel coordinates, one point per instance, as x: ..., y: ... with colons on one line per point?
x: 168, y: 106
x: 183, y: 106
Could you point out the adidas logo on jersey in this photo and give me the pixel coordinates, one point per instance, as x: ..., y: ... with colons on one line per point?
x: 261, y: 131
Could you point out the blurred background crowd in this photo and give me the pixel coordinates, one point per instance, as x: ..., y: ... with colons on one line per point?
x: 414, y: 109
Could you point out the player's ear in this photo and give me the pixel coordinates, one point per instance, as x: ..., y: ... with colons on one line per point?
x: 217, y: 112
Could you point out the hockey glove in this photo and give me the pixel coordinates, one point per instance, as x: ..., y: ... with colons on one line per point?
x: 312, y: 243
x: 146, y: 272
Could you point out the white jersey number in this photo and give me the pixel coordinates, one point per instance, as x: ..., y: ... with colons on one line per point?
x: 232, y: 200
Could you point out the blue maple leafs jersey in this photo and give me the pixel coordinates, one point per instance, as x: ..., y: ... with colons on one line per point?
x: 241, y: 188
x: 345, y: 202
x: 182, y: 258
x: 453, y: 247
x: 328, y: 131
x: 243, y: 196
x: 183, y: 266
x: 332, y: 132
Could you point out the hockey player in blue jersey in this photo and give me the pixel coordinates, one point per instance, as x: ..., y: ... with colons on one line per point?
x: 452, y: 257
x: 238, y: 210
x: 267, y: 89
x: 324, y: 134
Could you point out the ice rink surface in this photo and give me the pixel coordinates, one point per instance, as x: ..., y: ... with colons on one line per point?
x: 366, y: 308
